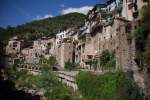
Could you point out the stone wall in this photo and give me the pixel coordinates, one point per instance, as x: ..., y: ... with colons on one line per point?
x: 64, y: 53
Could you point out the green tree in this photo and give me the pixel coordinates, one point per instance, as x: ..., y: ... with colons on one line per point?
x: 48, y: 26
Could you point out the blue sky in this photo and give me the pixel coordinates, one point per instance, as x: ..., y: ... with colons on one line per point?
x: 17, y: 12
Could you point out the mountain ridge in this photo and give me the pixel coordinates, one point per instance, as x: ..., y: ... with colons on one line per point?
x: 49, y: 26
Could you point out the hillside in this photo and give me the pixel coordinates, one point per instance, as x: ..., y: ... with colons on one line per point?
x: 48, y: 26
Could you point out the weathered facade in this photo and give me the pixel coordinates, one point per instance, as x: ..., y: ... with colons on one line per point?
x: 13, y: 50
x: 64, y: 52
x: 132, y: 8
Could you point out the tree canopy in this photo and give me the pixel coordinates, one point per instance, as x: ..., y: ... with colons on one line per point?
x: 48, y: 26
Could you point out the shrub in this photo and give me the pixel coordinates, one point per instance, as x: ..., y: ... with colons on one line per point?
x: 71, y: 66
x: 107, y: 59
x: 109, y: 86
x: 52, y: 61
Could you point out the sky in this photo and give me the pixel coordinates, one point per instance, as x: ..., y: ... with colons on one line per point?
x: 17, y: 12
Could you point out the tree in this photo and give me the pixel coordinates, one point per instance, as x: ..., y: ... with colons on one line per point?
x: 48, y: 26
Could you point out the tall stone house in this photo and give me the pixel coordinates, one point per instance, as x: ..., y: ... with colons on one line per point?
x: 64, y: 47
x: 13, y: 50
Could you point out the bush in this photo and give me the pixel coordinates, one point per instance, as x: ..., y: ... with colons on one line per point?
x: 107, y: 59
x: 71, y: 66
x: 52, y: 61
x: 109, y: 86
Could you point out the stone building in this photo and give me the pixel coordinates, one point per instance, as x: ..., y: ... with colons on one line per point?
x: 14, y: 45
x: 87, y: 44
x: 29, y: 55
x: 41, y: 48
x: 13, y: 50
x: 114, y: 7
x: 44, y: 46
x: 64, y: 50
x: 132, y: 8
x: 62, y: 35
x: 116, y: 38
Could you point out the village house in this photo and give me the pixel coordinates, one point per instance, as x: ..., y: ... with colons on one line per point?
x: 13, y: 50
x: 41, y: 48
x: 29, y: 54
x: 62, y: 35
x: 44, y: 47
x: 64, y: 48
x: 132, y: 8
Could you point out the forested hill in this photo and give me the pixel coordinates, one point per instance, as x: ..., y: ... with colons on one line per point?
x: 48, y: 26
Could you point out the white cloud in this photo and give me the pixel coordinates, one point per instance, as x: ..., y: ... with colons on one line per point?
x: 83, y: 10
x: 43, y: 17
